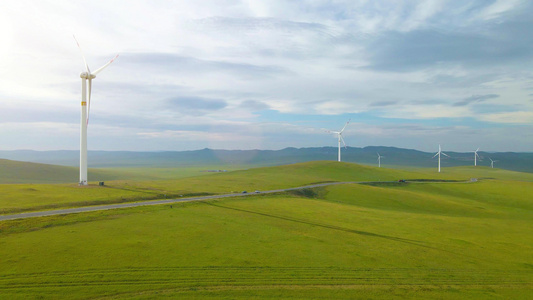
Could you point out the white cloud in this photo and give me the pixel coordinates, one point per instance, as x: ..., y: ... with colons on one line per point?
x: 499, y: 7
x: 317, y: 59
x: 428, y: 112
x: 517, y: 117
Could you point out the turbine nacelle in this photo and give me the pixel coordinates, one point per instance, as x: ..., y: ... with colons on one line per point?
x: 88, y: 76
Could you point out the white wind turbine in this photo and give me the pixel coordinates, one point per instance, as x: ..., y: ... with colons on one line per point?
x: 439, y: 153
x: 475, y: 157
x: 379, y: 160
x: 492, y: 162
x: 87, y: 75
x: 339, y: 134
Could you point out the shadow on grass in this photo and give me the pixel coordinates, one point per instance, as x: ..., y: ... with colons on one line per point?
x: 312, y: 193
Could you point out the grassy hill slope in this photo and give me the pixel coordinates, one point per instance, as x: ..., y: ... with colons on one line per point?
x: 392, y: 156
x: 436, y: 240
x: 27, y: 172
x: 27, y: 197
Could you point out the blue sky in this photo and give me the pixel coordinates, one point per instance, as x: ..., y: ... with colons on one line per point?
x: 268, y: 74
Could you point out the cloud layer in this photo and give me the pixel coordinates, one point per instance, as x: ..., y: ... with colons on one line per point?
x: 269, y: 75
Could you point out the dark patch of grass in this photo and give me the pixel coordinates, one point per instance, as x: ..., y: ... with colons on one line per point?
x: 384, y: 183
x: 312, y: 193
x: 433, y: 180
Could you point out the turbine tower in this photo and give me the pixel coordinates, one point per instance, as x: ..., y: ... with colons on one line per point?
x: 439, y: 153
x: 85, y: 108
x: 339, y: 134
x: 379, y: 160
x: 475, y: 157
x: 492, y: 162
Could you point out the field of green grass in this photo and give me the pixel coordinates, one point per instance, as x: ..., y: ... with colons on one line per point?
x: 31, y: 197
x: 423, y: 240
x: 15, y: 172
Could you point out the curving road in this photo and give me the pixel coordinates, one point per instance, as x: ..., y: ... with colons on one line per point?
x: 152, y: 202
x: 169, y: 201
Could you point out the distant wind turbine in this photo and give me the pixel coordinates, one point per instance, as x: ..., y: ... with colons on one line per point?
x: 439, y: 153
x: 379, y: 160
x: 85, y: 108
x: 475, y: 157
x: 339, y: 134
x: 492, y: 162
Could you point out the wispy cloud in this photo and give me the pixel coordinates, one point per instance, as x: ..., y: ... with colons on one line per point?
x: 202, y: 72
x: 196, y: 105
x: 183, y: 65
x: 383, y: 103
x: 517, y: 117
x: 475, y: 99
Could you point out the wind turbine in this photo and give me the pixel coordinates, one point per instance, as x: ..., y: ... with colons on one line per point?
x: 439, y: 153
x: 492, y: 162
x: 339, y: 134
x: 475, y: 157
x: 379, y: 160
x: 85, y: 76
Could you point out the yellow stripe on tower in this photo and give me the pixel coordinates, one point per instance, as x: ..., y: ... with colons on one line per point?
x: 83, y: 103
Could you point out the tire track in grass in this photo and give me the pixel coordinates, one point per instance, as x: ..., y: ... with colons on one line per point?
x: 348, y: 230
x: 264, y: 276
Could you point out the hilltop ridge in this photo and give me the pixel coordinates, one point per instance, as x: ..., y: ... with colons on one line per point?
x: 391, y: 157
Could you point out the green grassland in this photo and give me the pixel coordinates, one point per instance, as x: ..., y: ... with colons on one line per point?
x: 31, y: 197
x: 14, y: 172
x: 423, y: 240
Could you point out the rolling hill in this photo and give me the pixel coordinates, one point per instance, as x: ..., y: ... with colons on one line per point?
x: 419, y: 240
x: 26, y: 197
x: 27, y: 172
x: 392, y: 157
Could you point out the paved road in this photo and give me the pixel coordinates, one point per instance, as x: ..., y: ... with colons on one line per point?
x: 152, y: 202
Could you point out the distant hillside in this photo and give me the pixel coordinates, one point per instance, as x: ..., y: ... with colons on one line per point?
x: 17, y: 172
x: 391, y: 157
x: 28, y: 172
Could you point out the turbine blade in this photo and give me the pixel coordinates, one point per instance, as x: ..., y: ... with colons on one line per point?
x: 435, y: 154
x: 104, y: 66
x: 89, y: 100
x: 345, y: 125
x: 343, y: 141
x: 83, y: 56
x: 444, y: 154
